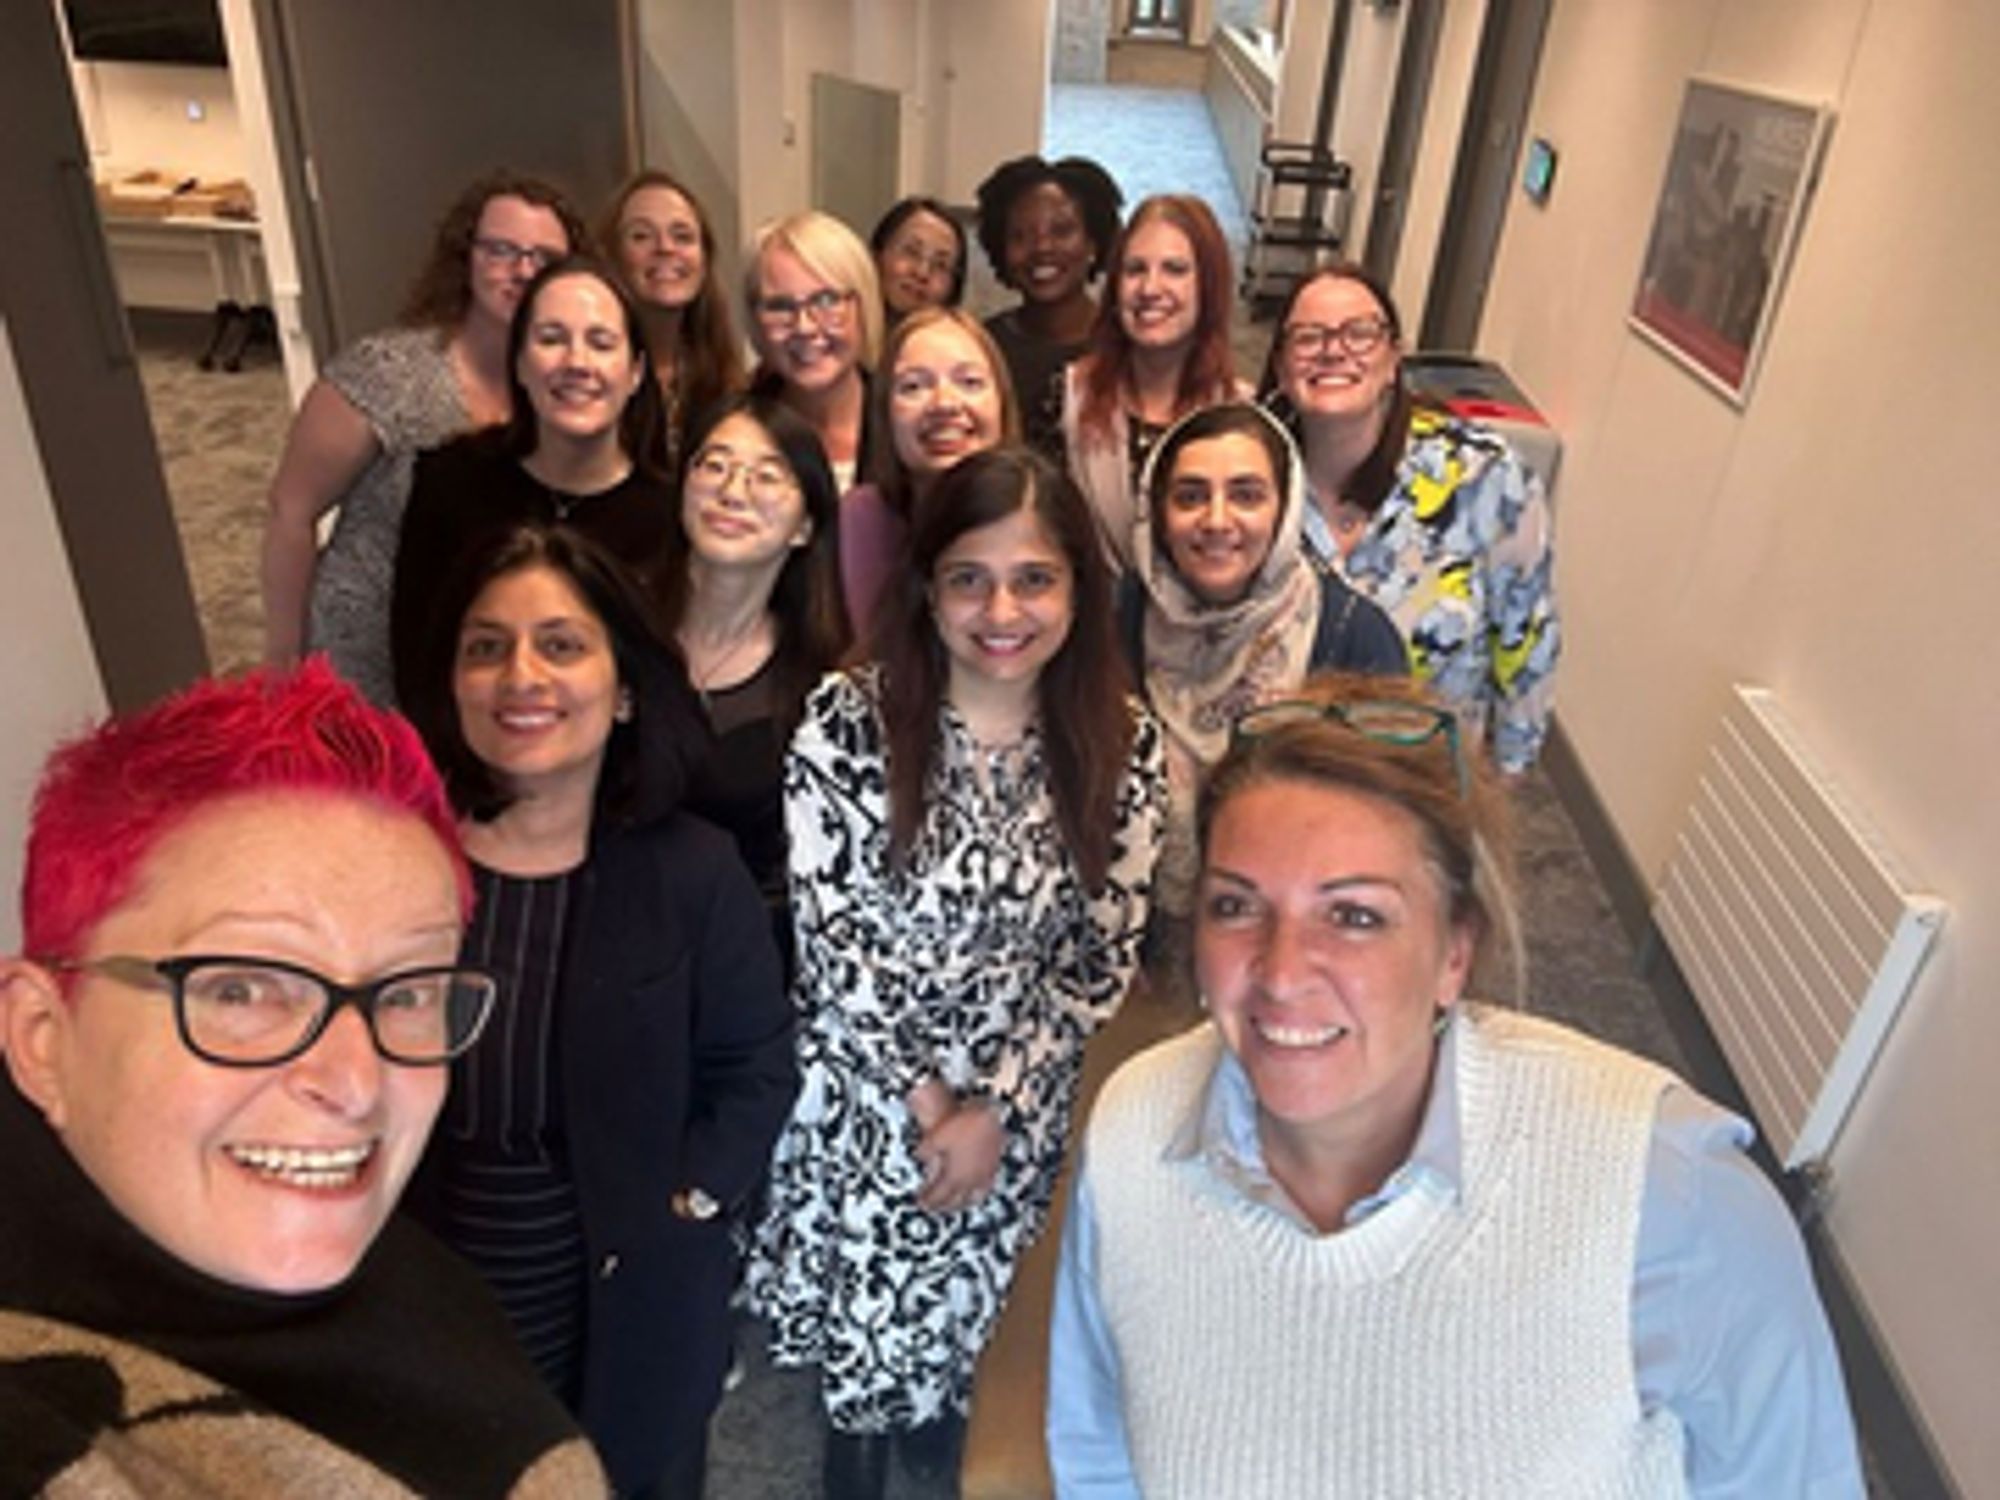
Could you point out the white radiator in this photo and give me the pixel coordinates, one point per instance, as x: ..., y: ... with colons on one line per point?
x: 1791, y: 925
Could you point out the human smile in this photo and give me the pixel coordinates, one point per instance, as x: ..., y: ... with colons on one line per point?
x: 1046, y: 274
x: 533, y: 719
x: 726, y: 524
x: 1332, y: 377
x: 1003, y: 643
x: 1297, y: 1038
x: 312, y: 1168
x: 947, y: 435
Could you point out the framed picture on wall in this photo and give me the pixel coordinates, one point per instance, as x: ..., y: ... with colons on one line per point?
x: 1742, y: 170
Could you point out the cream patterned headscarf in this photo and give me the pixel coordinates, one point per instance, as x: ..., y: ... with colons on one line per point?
x: 1205, y: 664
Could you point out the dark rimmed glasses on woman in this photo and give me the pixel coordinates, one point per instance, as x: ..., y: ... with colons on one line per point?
x: 258, y: 1012
x: 506, y: 253
x: 828, y: 307
x: 1392, y: 721
x: 1356, y: 337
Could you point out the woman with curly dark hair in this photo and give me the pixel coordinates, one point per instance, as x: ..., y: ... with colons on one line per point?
x: 1047, y: 228
x: 440, y: 372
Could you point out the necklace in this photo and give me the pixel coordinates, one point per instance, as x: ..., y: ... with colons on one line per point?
x: 704, y: 676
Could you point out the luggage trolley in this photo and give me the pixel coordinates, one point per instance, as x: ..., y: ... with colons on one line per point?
x: 1298, y: 219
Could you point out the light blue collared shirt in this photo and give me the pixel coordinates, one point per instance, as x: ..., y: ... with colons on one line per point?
x: 1727, y: 1329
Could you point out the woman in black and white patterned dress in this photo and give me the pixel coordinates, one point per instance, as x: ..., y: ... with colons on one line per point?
x: 973, y: 823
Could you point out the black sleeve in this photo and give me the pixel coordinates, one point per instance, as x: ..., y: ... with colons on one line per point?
x: 423, y: 550
x: 1356, y: 634
x: 745, y: 1066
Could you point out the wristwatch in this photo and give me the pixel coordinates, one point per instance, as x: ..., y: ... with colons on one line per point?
x: 696, y: 1204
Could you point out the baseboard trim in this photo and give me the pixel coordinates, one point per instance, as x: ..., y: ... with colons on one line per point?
x: 1903, y: 1461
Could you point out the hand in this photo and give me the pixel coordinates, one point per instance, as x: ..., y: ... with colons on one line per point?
x: 929, y: 1102
x: 961, y: 1157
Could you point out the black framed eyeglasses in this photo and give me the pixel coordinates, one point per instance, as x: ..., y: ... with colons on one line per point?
x: 1393, y: 721
x: 507, y: 253
x: 239, y: 1012
x: 1356, y: 336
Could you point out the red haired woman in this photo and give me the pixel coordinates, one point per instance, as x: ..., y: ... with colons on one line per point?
x: 1160, y: 350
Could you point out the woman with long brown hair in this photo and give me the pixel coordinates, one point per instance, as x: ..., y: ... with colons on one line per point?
x: 973, y: 823
x: 1159, y: 351
x: 658, y: 236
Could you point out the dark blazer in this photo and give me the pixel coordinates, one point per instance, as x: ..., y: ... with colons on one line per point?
x: 678, y: 1070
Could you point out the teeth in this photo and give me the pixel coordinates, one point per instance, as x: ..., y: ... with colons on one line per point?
x: 1298, y: 1036
x: 526, y: 723
x: 305, y: 1166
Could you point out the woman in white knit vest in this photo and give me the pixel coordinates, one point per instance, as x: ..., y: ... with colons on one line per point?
x: 1358, y: 1237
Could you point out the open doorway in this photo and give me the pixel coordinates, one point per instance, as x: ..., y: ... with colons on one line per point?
x: 170, y: 169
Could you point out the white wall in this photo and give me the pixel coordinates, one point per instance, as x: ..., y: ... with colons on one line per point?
x: 1308, y: 28
x: 996, y: 74
x: 1361, y: 114
x: 1437, y: 157
x: 1835, y: 541
x: 48, y: 676
x: 137, y: 115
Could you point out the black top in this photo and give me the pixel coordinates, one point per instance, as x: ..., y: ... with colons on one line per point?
x: 407, y: 1364
x: 1034, y: 367
x: 741, y: 786
x: 471, y: 486
x: 677, y: 1070
x: 509, y: 1198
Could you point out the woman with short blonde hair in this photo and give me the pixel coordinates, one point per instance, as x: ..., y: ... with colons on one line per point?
x: 815, y: 306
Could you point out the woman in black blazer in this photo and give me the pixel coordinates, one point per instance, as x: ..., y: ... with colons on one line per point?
x: 623, y: 1104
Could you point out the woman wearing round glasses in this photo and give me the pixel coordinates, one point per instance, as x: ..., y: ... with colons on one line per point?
x: 441, y: 372
x: 222, y: 1058
x: 581, y: 449
x: 1160, y: 350
x: 593, y: 1155
x: 756, y: 609
x: 816, y: 321
x: 1440, y: 1248
x: 942, y: 397
x: 1434, y: 519
x: 661, y: 242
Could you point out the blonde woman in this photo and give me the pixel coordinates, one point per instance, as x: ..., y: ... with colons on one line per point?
x: 815, y: 307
